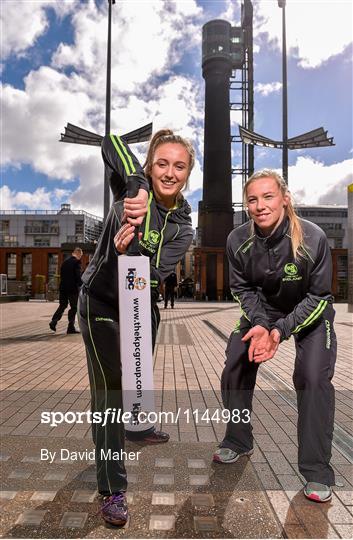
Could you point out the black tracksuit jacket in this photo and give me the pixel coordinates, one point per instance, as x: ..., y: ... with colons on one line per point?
x: 273, y: 289
x: 167, y: 234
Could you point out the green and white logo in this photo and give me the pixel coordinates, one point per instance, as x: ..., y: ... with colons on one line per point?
x: 291, y: 273
x: 153, y: 237
x: 291, y: 269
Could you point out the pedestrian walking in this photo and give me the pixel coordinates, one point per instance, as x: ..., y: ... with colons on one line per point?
x: 70, y: 282
x: 165, y: 235
x: 170, y: 283
x: 280, y: 274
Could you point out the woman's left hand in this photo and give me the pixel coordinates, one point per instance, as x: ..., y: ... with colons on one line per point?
x: 135, y: 208
x: 272, y: 345
x: 258, y: 336
x: 123, y: 237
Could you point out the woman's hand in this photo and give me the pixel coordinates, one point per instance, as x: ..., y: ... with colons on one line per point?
x: 123, y: 237
x: 259, y: 337
x: 271, y: 348
x: 135, y: 208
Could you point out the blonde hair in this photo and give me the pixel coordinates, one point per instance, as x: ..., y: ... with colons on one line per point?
x: 296, y: 230
x: 166, y: 136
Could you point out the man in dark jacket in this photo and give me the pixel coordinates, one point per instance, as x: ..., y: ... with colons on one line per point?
x: 169, y: 289
x: 70, y: 283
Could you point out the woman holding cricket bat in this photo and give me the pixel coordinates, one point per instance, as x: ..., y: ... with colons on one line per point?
x: 280, y: 274
x: 163, y: 217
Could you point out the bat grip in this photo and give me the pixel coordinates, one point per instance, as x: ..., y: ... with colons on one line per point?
x: 132, y: 188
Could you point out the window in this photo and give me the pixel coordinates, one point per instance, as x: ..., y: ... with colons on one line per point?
x: 4, y: 226
x: 79, y: 227
x: 7, y: 240
x: 27, y: 267
x: 53, y: 259
x: 11, y: 265
x: 41, y: 241
x: 42, y: 226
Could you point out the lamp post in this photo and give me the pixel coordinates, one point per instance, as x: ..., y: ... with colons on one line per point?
x: 77, y: 135
x: 106, y: 198
x: 282, y: 4
x: 312, y: 139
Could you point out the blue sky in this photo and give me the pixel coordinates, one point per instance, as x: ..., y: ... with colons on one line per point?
x: 53, y: 71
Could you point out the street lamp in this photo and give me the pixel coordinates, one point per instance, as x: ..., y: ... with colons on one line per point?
x: 282, y: 4
x: 77, y: 135
x: 312, y: 139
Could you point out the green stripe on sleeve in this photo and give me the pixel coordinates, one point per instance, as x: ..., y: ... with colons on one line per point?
x: 312, y: 317
x: 121, y: 154
x: 237, y: 299
x: 148, y: 217
x: 132, y: 166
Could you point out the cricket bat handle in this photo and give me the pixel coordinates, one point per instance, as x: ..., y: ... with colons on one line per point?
x: 132, y: 189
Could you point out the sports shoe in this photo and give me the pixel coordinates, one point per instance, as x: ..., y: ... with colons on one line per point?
x: 114, y: 509
x: 226, y: 455
x: 155, y: 437
x: 72, y: 330
x: 52, y: 326
x: 317, y: 492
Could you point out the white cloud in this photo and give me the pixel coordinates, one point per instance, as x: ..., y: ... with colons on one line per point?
x: 36, y: 115
x: 310, y: 180
x: 265, y: 89
x: 40, y: 199
x: 147, y: 38
x: 316, y: 29
x: 195, y: 180
x: 194, y: 219
x: 21, y: 25
x: 24, y: 21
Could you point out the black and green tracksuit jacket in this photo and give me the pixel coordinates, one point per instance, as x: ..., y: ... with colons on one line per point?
x: 273, y: 289
x: 167, y: 234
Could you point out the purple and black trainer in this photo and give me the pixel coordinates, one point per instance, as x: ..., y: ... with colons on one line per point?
x: 114, y: 509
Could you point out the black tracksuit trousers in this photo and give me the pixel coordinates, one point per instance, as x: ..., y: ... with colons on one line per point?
x: 99, y: 326
x: 66, y: 298
x: 316, y: 350
x: 169, y: 294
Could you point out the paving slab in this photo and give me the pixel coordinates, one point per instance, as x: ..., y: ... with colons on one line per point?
x: 43, y: 371
x: 219, y: 502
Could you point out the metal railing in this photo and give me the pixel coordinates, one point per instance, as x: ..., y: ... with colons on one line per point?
x: 49, y: 213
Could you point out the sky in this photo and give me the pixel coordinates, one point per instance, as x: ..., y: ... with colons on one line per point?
x: 53, y: 58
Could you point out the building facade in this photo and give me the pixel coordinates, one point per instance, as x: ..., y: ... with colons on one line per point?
x: 34, y: 243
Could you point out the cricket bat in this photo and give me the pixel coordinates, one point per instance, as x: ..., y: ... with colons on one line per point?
x: 136, y: 332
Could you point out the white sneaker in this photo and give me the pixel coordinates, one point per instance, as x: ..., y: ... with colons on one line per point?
x: 317, y: 492
x: 226, y: 455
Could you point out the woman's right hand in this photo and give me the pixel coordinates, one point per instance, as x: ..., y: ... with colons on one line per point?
x: 135, y: 208
x: 123, y: 237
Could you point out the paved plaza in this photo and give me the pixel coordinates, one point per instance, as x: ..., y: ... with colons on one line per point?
x: 175, y: 491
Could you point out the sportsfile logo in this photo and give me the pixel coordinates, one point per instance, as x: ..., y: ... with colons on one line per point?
x: 132, y: 282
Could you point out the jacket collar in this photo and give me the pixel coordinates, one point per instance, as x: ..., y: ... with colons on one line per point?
x: 276, y: 236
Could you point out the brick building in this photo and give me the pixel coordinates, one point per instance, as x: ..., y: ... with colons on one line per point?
x: 34, y: 243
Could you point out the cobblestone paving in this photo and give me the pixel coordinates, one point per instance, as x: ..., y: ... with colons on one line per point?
x: 183, y: 494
